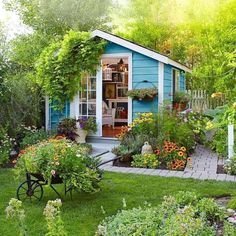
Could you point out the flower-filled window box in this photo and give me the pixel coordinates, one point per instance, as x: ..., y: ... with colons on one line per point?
x: 145, y: 94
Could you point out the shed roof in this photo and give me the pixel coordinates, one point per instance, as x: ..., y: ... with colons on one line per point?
x: 140, y: 49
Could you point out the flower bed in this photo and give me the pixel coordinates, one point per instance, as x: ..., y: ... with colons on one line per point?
x: 171, y: 141
x: 61, y: 158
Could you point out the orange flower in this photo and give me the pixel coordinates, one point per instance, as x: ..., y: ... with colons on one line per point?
x: 180, y: 153
x: 189, y: 159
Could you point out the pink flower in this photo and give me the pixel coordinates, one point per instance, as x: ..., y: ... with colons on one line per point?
x: 53, y: 172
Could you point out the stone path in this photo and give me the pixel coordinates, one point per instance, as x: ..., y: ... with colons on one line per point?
x: 203, y: 166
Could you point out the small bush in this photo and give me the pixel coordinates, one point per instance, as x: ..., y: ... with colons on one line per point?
x: 230, y: 166
x: 232, y: 203
x: 181, y: 215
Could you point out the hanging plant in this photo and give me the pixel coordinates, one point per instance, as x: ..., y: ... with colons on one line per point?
x: 146, y: 94
x: 62, y: 65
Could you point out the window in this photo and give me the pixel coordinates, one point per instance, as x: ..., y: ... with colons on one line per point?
x: 87, y: 98
x: 176, y: 76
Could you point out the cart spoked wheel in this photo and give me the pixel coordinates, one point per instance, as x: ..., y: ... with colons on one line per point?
x: 31, y: 191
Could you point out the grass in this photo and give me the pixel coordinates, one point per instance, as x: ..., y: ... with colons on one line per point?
x: 83, y: 213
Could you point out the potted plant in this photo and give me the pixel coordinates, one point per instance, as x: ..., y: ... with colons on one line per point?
x: 180, y: 100
x: 145, y: 94
x: 67, y: 128
x: 84, y: 126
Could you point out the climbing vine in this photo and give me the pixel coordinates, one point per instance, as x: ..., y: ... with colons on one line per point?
x: 62, y: 64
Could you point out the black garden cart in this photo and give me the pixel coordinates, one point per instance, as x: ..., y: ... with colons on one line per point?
x: 32, y: 188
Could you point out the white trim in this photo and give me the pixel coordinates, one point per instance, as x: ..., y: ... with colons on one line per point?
x: 47, y: 113
x: 160, y: 84
x: 130, y: 81
x: 99, y: 100
x: 139, y: 49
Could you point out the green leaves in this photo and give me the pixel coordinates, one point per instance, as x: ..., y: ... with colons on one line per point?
x: 62, y: 64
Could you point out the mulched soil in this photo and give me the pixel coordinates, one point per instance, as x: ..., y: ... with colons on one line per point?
x: 120, y: 163
x: 220, y: 170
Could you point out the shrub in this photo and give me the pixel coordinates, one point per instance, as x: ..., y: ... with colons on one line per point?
x: 186, y: 198
x: 172, y: 217
x: 230, y: 165
x: 209, y: 210
x: 64, y: 159
x: 5, y: 146
x: 32, y: 135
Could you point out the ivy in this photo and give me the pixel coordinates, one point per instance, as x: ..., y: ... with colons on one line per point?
x: 63, y: 63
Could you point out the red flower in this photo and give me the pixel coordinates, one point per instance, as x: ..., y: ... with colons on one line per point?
x: 157, y: 151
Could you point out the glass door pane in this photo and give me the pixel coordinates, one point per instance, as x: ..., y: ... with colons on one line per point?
x: 87, y: 101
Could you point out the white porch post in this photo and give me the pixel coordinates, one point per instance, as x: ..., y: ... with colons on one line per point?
x: 160, y: 84
x: 99, y: 100
x: 230, y: 140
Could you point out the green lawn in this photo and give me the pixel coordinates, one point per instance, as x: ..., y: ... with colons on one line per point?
x: 83, y: 213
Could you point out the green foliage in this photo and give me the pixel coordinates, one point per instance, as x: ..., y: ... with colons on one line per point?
x: 186, y: 198
x: 31, y: 135
x: 208, y: 209
x: 62, y: 64
x: 181, y: 97
x: 88, y: 123
x: 142, y: 93
x: 198, y: 123
x: 230, y: 165
x: 16, y: 213
x: 146, y: 160
x: 21, y: 102
x: 52, y: 214
x: 232, y: 203
x: 60, y: 157
x: 57, y: 17
x: 181, y: 215
x: 5, y: 146
x: 198, y: 33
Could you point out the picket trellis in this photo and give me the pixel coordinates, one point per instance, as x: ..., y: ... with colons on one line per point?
x: 201, y: 101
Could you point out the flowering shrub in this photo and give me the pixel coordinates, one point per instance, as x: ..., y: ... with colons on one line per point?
x: 175, y: 216
x: 15, y: 212
x: 52, y: 214
x: 145, y: 160
x: 168, y: 156
x: 61, y: 157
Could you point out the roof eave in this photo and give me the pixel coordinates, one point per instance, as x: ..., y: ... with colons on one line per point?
x: 139, y: 49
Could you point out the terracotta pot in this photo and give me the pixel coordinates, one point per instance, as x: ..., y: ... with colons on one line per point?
x: 179, y: 106
x: 81, y: 135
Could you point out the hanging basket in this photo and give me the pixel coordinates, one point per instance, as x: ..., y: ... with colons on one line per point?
x: 145, y: 99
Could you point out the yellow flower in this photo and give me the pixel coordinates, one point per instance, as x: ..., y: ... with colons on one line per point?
x: 183, y: 149
x: 180, y: 153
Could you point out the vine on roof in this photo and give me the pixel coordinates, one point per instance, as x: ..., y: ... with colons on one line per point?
x: 62, y: 65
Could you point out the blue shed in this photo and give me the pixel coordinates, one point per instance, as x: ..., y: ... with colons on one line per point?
x: 125, y: 65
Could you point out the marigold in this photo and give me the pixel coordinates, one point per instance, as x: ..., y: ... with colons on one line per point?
x: 183, y: 149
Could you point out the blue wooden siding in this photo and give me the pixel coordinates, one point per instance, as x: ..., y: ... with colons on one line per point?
x: 143, y: 68
x: 55, y: 115
x: 167, y: 82
x: 182, y: 81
